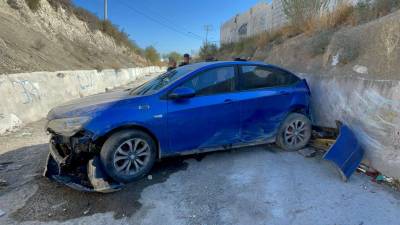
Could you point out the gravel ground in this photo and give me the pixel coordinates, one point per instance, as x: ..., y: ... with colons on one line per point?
x: 257, y: 185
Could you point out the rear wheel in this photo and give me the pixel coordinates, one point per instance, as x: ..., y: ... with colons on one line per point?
x: 128, y: 155
x: 294, y: 133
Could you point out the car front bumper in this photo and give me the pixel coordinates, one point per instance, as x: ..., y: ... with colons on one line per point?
x: 76, y: 170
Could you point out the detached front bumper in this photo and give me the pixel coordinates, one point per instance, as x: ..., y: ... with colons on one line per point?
x: 77, y: 171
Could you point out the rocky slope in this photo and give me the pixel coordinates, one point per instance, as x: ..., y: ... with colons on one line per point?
x: 49, y: 40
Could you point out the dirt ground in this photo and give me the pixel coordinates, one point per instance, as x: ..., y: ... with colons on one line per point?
x: 258, y: 185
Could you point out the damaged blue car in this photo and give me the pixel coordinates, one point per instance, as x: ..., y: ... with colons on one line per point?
x: 118, y: 136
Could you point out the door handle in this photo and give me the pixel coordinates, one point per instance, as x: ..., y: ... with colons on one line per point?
x: 228, y: 100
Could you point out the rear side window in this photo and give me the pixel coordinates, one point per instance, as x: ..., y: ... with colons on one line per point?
x: 256, y: 77
x: 214, y: 81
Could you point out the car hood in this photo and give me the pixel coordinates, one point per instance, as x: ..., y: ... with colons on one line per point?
x: 88, y: 105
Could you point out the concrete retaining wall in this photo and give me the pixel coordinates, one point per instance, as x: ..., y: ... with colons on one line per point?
x: 370, y: 107
x: 28, y: 97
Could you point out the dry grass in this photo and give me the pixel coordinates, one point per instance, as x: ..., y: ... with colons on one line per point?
x: 320, y: 26
x: 342, y: 16
x: 34, y: 5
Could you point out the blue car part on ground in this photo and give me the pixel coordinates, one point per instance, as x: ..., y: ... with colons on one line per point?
x: 346, y: 153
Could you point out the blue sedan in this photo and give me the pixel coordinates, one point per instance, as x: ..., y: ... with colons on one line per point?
x: 193, y: 109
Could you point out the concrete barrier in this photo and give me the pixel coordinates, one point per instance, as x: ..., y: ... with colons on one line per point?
x: 27, y: 97
x: 370, y: 107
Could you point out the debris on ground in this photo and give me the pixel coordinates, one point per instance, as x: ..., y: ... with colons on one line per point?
x: 58, y: 205
x: 2, y: 213
x: 378, y: 177
x: 308, y: 152
x: 150, y: 177
x: 24, y: 134
x: 340, y: 146
x: 86, y: 211
x: 3, y: 183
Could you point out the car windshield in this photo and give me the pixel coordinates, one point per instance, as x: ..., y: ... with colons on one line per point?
x: 161, y: 81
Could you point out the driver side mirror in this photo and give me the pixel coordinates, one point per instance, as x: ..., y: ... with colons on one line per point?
x: 182, y: 93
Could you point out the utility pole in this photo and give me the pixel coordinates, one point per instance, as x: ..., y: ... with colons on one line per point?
x: 105, y: 10
x: 207, y: 28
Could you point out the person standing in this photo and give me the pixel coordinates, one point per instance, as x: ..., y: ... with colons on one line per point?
x: 171, y: 64
x: 186, y: 60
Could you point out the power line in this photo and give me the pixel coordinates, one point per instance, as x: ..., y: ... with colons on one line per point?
x: 171, y: 22
x: 156, y: 21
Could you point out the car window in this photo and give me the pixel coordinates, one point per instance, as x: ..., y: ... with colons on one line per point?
x: 214, y: 81
x: 255, y: 77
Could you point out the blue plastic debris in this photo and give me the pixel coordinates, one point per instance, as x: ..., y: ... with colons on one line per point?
x: 346, y: 153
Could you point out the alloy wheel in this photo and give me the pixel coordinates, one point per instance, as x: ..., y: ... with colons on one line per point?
x: 131, y: 156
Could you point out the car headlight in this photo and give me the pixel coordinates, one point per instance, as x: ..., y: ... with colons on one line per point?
x: 67, y: 126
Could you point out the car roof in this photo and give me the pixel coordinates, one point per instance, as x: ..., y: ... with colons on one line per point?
x: 200, y: 65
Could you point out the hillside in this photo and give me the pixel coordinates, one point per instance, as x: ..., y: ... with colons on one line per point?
x: 368, y: 50
x: 50, y: 39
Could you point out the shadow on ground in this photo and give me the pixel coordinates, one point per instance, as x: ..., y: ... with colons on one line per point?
x: 53, y: 201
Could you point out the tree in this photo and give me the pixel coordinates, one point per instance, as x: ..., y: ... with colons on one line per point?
x: 300, y: 11
x: 208, y: 51
x: 152, y: 55
x: 174, y: 56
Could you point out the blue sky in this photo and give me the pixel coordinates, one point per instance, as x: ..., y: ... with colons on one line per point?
x: 141, y: 20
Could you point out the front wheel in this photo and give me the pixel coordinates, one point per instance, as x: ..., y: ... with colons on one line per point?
x: 128, y: 155
x: 294, y: 133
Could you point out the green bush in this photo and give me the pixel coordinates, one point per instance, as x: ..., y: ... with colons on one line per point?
x: 208, y: 51
x: 34, y: 5
x: 174, y: 56
x: 152, y: 55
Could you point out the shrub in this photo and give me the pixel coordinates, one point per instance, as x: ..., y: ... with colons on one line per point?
x: 348, y: 48
x: 66, y: 4
x: 208, y: 51
x: 342, y: 15
x: 34, y: 5
x: 120, y: 36
x: 92, y: 21
x: 319, y: 43
x: 368, y: 10
x: 384, y: 7
x: 13, y: 4
x: 174, y: 56
x: 152, y: 55
x: 299, y: 12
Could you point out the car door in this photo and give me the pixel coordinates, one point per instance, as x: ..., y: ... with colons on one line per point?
x: 265, y: 101
x: 210, y: 119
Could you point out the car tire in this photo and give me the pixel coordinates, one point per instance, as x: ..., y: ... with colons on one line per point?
x: 294, y: 133
x: 128, y: 155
